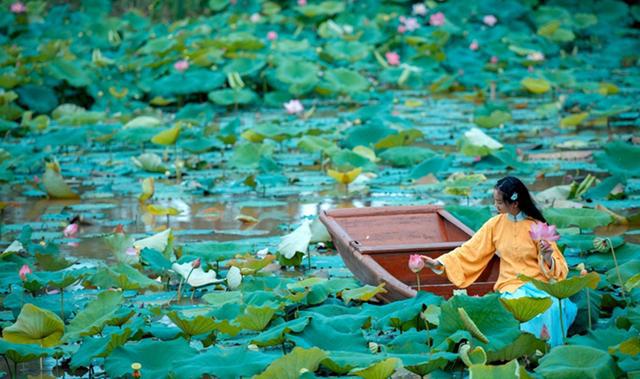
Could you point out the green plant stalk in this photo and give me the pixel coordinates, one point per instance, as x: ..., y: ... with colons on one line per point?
x: 6, y: 361
x: 615, y: 262
x: 62, y: 303
x: 589, y: 307
x: 418, y: 280
x: 561, y: 320
x: 309, y: 260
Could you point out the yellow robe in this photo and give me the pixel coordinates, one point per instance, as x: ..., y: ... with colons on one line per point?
x: 517, y: 251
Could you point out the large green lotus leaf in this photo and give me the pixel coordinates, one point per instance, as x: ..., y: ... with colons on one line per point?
x: 526, y: 308
x: 379, y: 370
x: 312, y: 144
x: 94, y: 347
x: 55, y: 185
x: 536, y: 85
x: 238, y: 41
x: 155, y: 260
x: 256, y: 318
x: 473, y: 217
x: 493, y: 321
x: 525, y: 345
x: 290, y: 365
x: 580, y: 217
x: 156, y: 357
x: 492, y: 115
x: 509, y: 370
x: 431, y: 166
x: 346, y: 160
x: 320, y: 333
x: 248, y: 154
x: 424, y: 364
x: 35, y: 326
x: 269, y: 130
x: 627, y: 271
x: 297, y: 73
x: 403, y: 138
x: 215, y: 250
x: 620, y: 158
x: 350, y: 51
x: 232, y: 96
x: 342, y: 362
x: 219, y: 299
x: 601, y: 339
x: 400, y: 314
x: 406, y: 156
x: 93, y: 318
x: 19, y: 352
x: 123, y: 276
x: 72, y: 72
x: 577, y: 362
x: 192, y: 326
x: 276, y: 335
x: 39, y: 99
x: 223, y: 363
x: 565, y: 288
x: 188, y: 82
x: 158, y: 45
x: 326, y: 8
x: 244, y: 66
x: 366, y: 135
x: 340, y: 321
x: 410, y: 342
x: 58, y: 279
x: 346, y: 81
x: 51, y: 262
x: 364, y: 293
x: 201, y: 145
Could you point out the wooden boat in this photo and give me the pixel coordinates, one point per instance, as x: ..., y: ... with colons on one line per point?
x: 375, y: 244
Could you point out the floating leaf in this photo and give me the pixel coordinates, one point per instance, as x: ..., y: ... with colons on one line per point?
x: 537, y: 86
x: 565, y: 288
x: 167, y: 137
x: 580, y: 217
x: 526, y: 308
x: 379, y: 370
x: 95, y: 315
x: 364, y: 293
x: 35, y: 326
x: 577, y: 362
x: 573, y: 120
x: 290, y: 366
x: 55, y: 184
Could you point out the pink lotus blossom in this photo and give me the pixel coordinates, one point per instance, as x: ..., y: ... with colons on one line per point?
x: 542, y: 232
x: 24, y: 270
x: 489, y: 20
x: 195, y: 264
x: 544, y: 333
x: 255, y: 18
x: 294, y: 107
x: 392, y: 58
x: 419, y: 9
x: 302, y: 3
x: 401, y: 29
x: 494, y: 59
x: 437, y: 19
x: 181, y: 65
x: 70, y: 230
x: 474, y: 45
x: 36, y: 179
x: 272, y: 36
x: 416, y: 264
x: 410, y: 23
x: 18, y: 7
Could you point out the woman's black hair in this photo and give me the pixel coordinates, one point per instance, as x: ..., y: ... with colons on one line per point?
x: 514, y: 190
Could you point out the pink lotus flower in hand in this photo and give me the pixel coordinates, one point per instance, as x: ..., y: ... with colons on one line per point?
x: 392, y: 58
x: 181, y: 65
x: 489, y: 20
x: 24, y: 270
x: 18, y: 7
x: 416, y: 264
x: 437, y: 19
x: 543, y: 232
x: 294, y: 107
x: 70, y: 230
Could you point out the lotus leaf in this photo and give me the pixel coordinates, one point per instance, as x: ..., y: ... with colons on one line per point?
x: 35, y: 326
x: 526, y: 308
x: 364, y: 293
x: 627, y: 271
x: 406, y: 156
x: 19, y: 352
x: 424, y: 364
x: 524, y: 346
x: 319, y: 333
x: 276, y: 334
x: 290, y: 365
x: 577, y: 361
x: 619, y: 158
x: 93, y: 318
x: 232, y: 96
x: 55, y: 184
x: 256, y: 318
x: 72, y: 72
x: 536, y: 86
x: 379, y: 370
x: 123, y: 276
x: 156, y: 357
x: 565, y: 288
x: 40, y: 99
x: 94, y: 347
x: 581, y: 217
x: 167, y: 137
x: 492, y: 115
x: 326, y: 8
x: 343, y: 80
x: 187, y: 83
x: 507, y: 370
x: 224, y: 363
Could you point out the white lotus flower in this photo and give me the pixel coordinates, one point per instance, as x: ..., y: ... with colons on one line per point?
x: 294, y: 107
x: 196, y: 277
x: 234, y: 278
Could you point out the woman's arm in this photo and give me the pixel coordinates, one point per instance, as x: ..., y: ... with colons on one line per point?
x: 552, y: 262
x: 465, y: 264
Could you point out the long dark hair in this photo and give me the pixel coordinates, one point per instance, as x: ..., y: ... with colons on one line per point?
x: 514, y: 190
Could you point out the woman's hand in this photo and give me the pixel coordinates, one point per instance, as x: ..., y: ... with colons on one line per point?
x: 546, y: 250
x: 432, y: 263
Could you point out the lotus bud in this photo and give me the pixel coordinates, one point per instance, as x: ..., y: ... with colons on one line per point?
x: 18, y: 7
x: 601, y: 244
x: 234, y: 278
x: 416, y: 264
x: 374, y: 347
x: 70, y: 230
x: 195, y: 264
x: 544, y: 333
x: 24, y: 270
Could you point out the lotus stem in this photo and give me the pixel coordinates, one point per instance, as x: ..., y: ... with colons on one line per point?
x: 6, y: 361
x: 62, y: 303
x: 180, y: 285
x: 615, y: 262
x: 418, y: 280
x: 561, y: 320
x: 309, y: 260
x: 589, y: 307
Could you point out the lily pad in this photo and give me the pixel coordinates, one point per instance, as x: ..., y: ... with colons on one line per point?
x: 565, y: 288
x: 35, y: 326
x: 577, y: 361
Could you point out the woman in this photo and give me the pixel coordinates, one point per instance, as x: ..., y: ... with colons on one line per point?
x: 508, y: 236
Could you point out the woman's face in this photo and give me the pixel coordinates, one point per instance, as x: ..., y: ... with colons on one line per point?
x: 499, y: 203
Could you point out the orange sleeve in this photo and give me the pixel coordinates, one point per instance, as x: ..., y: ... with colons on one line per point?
x: 558, y: 269
x: 465, y: 264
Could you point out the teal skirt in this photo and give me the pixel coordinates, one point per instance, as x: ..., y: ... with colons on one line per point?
x: 550, y: 318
